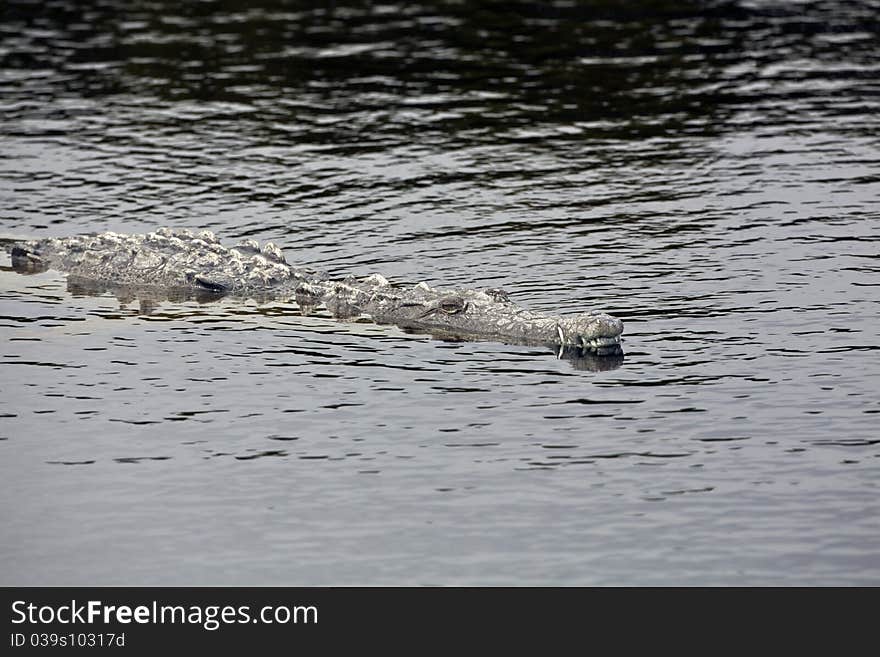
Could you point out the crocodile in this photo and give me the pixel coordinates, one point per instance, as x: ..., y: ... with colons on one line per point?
x: 186, y: 263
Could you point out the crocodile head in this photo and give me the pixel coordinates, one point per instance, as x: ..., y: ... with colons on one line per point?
x: 489, y: 314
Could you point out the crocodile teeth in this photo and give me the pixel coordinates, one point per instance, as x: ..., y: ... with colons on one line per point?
x: 599, y: 343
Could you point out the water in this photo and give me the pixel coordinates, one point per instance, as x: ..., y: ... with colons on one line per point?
x: 706, y: 171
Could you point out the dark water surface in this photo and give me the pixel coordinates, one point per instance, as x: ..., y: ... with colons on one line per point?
x: 709, y: 172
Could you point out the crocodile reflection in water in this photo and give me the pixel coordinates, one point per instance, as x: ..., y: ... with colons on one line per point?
x: 178, y: 264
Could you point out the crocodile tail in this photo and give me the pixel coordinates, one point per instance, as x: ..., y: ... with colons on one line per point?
x: 25, y: 258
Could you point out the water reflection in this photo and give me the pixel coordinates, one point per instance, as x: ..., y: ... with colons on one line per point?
x: 486, y: 70
x: 360, y: 71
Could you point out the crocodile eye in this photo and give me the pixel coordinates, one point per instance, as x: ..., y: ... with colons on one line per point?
x: 452, y: 305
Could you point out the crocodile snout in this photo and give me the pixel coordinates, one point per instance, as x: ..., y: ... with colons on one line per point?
x: 592, y: 331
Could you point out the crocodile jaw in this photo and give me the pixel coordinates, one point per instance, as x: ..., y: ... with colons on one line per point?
x: 592, y: 331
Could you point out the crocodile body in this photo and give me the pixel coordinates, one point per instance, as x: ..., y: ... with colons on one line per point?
x: 185, y: 263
